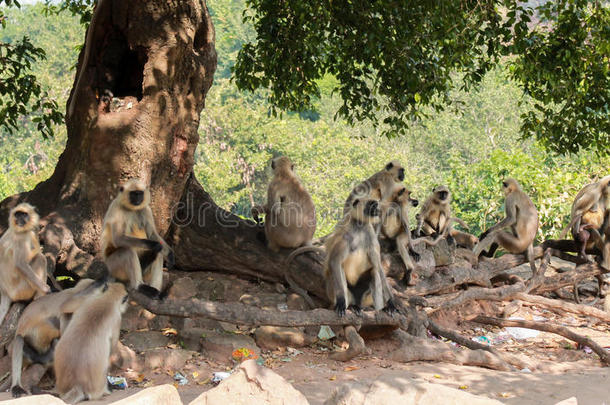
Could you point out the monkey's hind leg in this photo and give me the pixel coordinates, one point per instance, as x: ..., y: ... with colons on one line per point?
x: 5, y: 304
x: 124, y: 265
x: 401, y: 243
x: 75, y: 395
x: 17, y: 363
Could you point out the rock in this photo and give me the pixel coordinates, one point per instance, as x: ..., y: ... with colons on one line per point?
x: 137, y: 318
x: 211, y: 290
x: 272, y: 337
x: 443, y: 253
x: 167, y: 359
x: 35, y: 400
x: 145, y: 340
x: 264, y: 300
x: 252, y: 384
x: 296, y: 303
x: 124, y: 357
x: 569, y: 401
x: 190, y: 323
x: 392, y: 390
x: 191, y: 338
x: 159, y: 395
x: 183, y: 288
x: 220, y: 346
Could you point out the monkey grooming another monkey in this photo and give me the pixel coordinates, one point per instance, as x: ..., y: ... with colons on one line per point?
x: 82, y: 355
x: 23, y: 267
x: 587, y: 219
x: 521, y: 218
x: 379, y: 186
x: 396, y: 226
x: 290, y: 215
x: 352, y: 269
x: 41, y: 324
x: 132, y: 248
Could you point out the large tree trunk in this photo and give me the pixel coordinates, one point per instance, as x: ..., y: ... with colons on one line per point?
x: 158, y: 60
x: 157, y: 57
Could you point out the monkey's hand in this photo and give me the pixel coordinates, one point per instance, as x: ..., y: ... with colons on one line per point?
x: 356, y: 309
x: 340, y: 307
x: 17, y: 391
x: 150, y: 292
x: 416, y: 256
x: 170, y: 260
x: 154, y: 246
x: 483, y: 235
x: 390, y: 308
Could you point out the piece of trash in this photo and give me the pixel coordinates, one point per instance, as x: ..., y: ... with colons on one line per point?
x: 180, y: 378
x: 282, y: 306
x: 437, y: 376
x: 587, y: 350
x: 243, y: 353
x: 526, y: 370
x: 326, y: 333
x: 218, y: 376
x: 482, y: 339
x: 129, y: 105
x: 195, y: 374
x: 333, y: 378
x: 504, y: 394
x: 351, y: 368
x: 286, y: 359
x: 463, y: 387
x: 118, y: 383
x: 521, y: 333
x: 293, y: 352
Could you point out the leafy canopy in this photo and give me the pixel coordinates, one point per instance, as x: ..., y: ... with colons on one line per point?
x: 391, y: 58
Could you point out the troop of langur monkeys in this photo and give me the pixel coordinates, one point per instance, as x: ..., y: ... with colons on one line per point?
x: 378, y: 208
x: 76, y: 330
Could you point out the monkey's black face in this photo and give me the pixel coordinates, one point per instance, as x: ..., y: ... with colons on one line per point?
x: 401, y: 174
x: 442, y: 195
x: 414, y: 202
x: 21, y: 218
x: 136, y: 197
x: 371, y: 208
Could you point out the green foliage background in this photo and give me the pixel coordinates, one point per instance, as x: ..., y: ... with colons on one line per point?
x: 470, y: 147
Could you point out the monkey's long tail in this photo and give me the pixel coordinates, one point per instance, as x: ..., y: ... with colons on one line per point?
x: 301, y: 250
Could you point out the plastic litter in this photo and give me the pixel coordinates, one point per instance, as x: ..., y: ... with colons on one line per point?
x: 522, y: 333
x: 182, y: 380
x: 243, y: 353
x: 218, y: 376
x: 326, y: 333
x: 482, y: 339
x: 118, y: 383
x: 587, y: 350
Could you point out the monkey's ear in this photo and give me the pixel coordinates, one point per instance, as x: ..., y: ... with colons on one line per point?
x: 121, y: 189
x: 273, y: 164
x: 504, y: 184
x: 292, y: 167
x: 433, y: 189
x: 389, y: 166
x: 356, y: 201
x: 402, y: 191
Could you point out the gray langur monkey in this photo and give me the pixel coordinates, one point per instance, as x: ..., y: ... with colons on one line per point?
x: 23, y: 267
x: 132, y: 248
x: 521, y: 220
x: 290, y: 215
x: 82, y: 355
x: 41, y: 325
x: 352, y: 269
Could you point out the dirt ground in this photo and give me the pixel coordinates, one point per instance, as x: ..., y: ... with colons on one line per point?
x: 563, y: 369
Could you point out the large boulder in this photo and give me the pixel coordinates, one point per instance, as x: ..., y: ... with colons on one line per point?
x: 34, y: 400
x: 252, y: 384
x: 393, y: 390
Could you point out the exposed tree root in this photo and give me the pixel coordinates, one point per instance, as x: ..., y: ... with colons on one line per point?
x: 356, y: 346
x: 238, y: 313
x: 7, y: 329
x: 414, y: 348
x: 547, y: 327
x: 564, y: 306
x: 473, y: 345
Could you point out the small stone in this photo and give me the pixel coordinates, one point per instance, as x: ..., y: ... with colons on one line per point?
x: 183, y: 288
x: 272, y: 337
x: 167, y: 359
x: 220, y: 346
x: 145, y: 340
x: 296, y: 303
